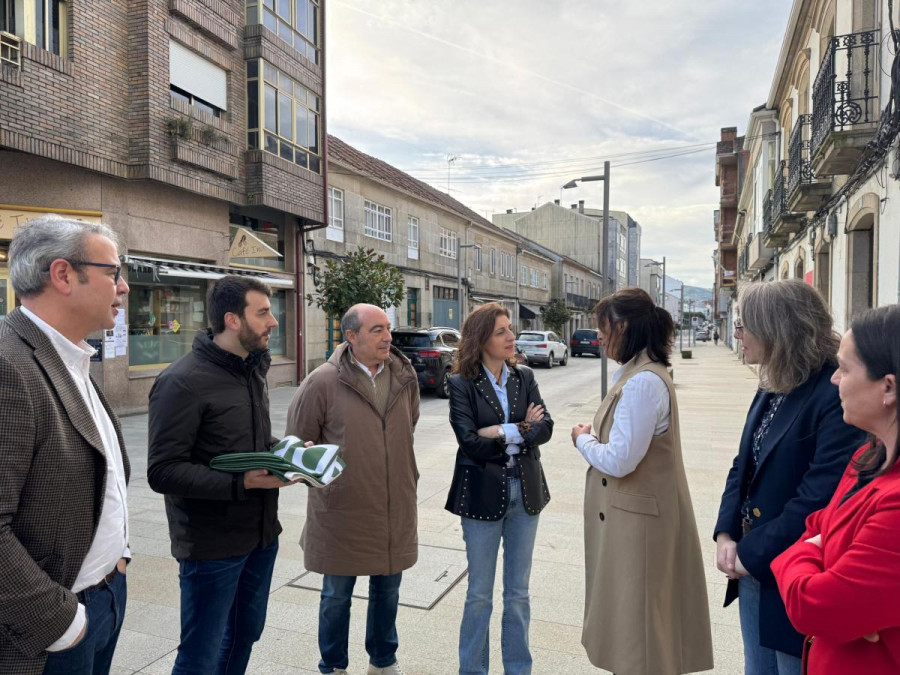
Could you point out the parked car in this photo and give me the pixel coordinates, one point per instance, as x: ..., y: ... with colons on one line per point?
x: 543, y: 346
x: 586, y: 341
x: 432, y: 352
x: 702, y: 335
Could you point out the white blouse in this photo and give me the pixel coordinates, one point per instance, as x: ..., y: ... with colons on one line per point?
x: 644, y: 411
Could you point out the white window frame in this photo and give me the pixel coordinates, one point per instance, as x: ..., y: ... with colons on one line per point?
x: 478, y: 259
x: 412, y: 235
x: 524, y: 276
x: 379, y: 221
x: 492, y: 261
x: 449, y: 244
x: 544, y: 280
x: 335, y: 229
x: 534, y: 278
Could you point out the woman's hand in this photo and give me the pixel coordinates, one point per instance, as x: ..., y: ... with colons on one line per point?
x: 492, y: 431
x: 579, y: 429
x: 726, y: 554
x: 535, y: 413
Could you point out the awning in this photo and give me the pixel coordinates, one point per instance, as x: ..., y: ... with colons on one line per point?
x: 528, y: 313
x: 178, y: 268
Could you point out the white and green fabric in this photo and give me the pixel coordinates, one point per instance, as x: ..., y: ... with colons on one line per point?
x: 317, y: 465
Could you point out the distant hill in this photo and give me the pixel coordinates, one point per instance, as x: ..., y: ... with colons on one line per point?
x: 694, y: 293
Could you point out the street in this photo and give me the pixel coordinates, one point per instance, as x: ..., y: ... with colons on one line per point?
x: 714, y: 392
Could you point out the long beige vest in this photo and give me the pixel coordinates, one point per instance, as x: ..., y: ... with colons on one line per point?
x: 646, y: 610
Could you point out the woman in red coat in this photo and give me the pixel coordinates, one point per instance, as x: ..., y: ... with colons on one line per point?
x: 841, y: 581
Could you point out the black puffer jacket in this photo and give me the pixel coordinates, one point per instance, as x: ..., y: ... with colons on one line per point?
x: 478, y: 489
x: 208, y: 403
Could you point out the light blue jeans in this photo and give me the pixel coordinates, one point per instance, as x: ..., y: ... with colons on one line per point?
x: 759, y: 660
x: 517, y: 529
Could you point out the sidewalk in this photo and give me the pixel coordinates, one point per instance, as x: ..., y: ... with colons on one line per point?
x: 714, y: 392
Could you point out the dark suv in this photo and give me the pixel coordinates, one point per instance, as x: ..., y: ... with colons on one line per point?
x: 431, y: 351
x: 585, y: 341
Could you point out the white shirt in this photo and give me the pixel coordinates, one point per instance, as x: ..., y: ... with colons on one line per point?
x: 111, y: 538
x: 365, y: 368
x: 644, y: 411
x: 511, y: 434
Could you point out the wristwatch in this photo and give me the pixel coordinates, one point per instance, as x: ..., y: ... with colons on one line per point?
x: 501, y: 435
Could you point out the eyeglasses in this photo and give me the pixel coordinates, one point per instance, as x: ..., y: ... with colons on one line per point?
x: 79, y: 263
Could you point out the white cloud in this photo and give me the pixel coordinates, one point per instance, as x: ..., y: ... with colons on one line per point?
x: 535, y: 82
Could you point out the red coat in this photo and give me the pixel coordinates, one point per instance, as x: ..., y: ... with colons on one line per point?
x: 851, y: 586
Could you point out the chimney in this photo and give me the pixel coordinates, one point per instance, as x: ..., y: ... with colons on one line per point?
x: 556, y: 201
x: 574, y: 207
x: 509, y: 210
x: 580, y: 206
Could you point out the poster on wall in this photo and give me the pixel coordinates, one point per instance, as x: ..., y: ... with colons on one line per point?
x: 808, y: 278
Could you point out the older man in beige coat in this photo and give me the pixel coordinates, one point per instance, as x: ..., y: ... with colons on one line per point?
x: 366, y: 400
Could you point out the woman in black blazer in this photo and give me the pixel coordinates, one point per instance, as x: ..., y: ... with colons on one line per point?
x: 498, y: 487
x: 793, y: 451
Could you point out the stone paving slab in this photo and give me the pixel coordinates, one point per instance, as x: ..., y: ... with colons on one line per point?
x: 714, y: 392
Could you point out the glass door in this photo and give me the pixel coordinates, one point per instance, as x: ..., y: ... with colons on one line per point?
x: 7, y: 297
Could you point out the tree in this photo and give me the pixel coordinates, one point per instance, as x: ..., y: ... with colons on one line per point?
x: 556, y: 315
x: 363, y: 277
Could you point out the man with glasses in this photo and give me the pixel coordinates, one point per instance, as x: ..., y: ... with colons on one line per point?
x: 63, y: 467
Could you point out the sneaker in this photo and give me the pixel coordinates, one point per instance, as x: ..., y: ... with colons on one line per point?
x: 393, y: 669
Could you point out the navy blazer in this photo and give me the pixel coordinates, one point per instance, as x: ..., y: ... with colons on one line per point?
x: 801, y: 462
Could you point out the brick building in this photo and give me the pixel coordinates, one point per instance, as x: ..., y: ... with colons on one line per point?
x: 195, y: 129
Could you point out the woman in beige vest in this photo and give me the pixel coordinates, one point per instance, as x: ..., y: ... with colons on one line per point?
x: 646, y: 610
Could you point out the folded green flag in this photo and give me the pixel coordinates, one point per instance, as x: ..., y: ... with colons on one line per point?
x: 317, y: 465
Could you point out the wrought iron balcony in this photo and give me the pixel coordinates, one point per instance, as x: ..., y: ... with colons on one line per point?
x: 778, y: 220
x: 805, y: 193
x: 845, y: 103
x: 580, y: 301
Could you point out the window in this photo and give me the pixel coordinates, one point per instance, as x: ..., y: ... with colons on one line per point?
x: 278, y: 336
x: 450, y: 339
x: 269, y: 233
x: 296, y: 22
x: 492, y: 261
x: 282, y: 116
x: 196, y: 81
x: 378, y: 222
x: 412, y: 235
x: 44, y: 23
x: 534, y: 278
x: 524, y: 278
x: 478, y: 258
x: 448, y: 244
x: 335, y: 229
x: 543, y: 281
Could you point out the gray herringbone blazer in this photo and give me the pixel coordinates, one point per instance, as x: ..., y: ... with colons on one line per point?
x: 52, y: 481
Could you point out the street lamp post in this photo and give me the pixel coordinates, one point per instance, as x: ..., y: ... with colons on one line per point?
x: 459, y: 281
x: 605, y: 249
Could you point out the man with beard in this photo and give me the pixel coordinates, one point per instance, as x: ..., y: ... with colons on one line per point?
x: 223, y: 526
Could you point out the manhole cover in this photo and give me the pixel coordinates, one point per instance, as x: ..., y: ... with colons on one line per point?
x: 424, y: 584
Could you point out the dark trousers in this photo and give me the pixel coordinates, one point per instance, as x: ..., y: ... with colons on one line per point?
x: 381, y: 621
x: 105, y: 611
x: 223, y: 611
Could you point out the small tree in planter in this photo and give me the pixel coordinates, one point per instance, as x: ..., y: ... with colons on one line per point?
x: 556, y: 315
x: 363, y: 277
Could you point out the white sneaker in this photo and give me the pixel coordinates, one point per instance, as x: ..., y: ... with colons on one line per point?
x: 387, y: 670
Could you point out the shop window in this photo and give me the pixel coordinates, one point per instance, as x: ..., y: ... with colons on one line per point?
x: 164, y: 314
x: 289, y: 115
x: 295, y: 22
x: 268, y: 232
x: 278, y: 336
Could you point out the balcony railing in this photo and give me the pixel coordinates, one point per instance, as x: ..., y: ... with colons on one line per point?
x: 779, y: 197
x: 580, y: 301
x: 10, y: 50
x: 799, y: 168
x: 844, y: 93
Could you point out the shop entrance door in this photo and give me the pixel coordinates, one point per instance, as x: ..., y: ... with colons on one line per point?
x: 7, y: 297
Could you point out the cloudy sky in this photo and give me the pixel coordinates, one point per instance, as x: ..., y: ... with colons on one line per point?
x: 528, y: 94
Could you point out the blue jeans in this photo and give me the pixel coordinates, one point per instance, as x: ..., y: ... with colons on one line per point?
x: 381, y: 620
x: 517, y: 529
x: 223, y: 611
x: 759, y: 660
x: 105, y: 611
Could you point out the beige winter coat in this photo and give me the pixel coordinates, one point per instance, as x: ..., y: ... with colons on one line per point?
x: 365, y: 522
x: 646, y: 610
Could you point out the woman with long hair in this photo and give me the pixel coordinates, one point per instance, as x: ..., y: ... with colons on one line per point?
x: 646, y: 610
x: 841, y: 580
x: 794, y: 447
x: 498, y: 487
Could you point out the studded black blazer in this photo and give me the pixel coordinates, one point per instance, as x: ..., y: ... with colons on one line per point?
x: 479, y: 482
